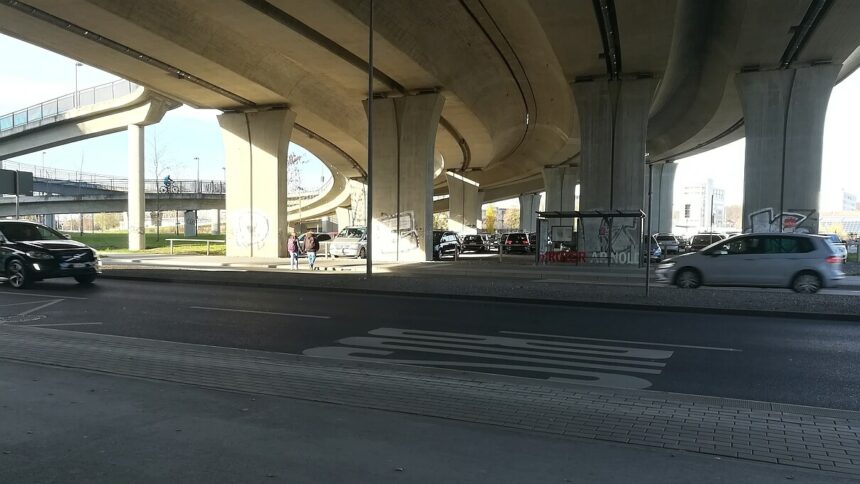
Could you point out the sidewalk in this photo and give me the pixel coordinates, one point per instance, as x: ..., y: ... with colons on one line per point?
x: 520, y: 268
x: 275, y: 422
x: 425, y: 279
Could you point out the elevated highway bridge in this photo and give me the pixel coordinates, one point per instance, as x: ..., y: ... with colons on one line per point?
x: 480, y: 98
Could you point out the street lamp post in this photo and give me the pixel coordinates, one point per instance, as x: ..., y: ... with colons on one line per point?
x: 77, y: 98
x: 197, y: 159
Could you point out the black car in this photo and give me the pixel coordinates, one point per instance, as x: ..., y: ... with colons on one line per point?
x: 700, y: 241
x: 444, y: 242
x: 31, y: 252
x: 517, y: 242
x: 476, y: 243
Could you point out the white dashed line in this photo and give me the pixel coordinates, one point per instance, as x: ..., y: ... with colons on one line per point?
x: 261, y: 312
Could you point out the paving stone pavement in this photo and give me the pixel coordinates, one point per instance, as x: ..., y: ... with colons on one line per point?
x: 815, y: 438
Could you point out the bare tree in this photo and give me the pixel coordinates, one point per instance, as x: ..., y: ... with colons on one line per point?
x: 294, y: 171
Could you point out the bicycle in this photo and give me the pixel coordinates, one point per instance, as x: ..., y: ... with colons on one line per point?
x: 172, y: 188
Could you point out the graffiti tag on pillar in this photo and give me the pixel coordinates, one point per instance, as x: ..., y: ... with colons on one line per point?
x: 408, y: 235
x: 791, y: 221
x: 250, y: 229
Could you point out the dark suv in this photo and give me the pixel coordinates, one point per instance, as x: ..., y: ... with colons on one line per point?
x: 30, y: 252
x: 700, y: 241
x: 517, y: 242
x: 443, y: 242
x: 476, y: 243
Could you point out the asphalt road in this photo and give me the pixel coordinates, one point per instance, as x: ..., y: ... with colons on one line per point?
x: 806, y: 362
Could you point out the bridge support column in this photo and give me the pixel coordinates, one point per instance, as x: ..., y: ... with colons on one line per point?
x: 404, y: 135
x: 136, y: 200
x: 560, y: 185
x: 255, y: 149
x: 464, y: 204
x: 343, y: 217
x: 662, y: 197
x: 614, y: 119
x: 784, y: 114
x: 529, y: 205
x: 216, y: 227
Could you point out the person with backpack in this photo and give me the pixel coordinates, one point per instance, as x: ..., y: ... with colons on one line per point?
x: 311, y: 248
x: 293, y: 249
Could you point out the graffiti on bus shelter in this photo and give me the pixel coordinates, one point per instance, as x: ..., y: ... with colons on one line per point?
x: 622, y: 233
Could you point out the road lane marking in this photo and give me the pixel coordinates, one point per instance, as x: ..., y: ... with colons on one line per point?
x: 19, y: 304
x: 41, y: 306
x: 365, y: 342
x: 609, y: 380
x: 30, y: 294
x: 711, y: 348
x: 616, y: 366
x: 529, y: 344
x: 48, y: 325
x: 314, y: 316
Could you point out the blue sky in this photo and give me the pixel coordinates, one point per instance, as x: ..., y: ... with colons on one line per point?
x: 30, y: 75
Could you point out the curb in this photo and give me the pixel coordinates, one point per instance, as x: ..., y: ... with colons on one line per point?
x: 497, y: 299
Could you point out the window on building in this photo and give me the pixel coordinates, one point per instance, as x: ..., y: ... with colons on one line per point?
x: 687, y: 211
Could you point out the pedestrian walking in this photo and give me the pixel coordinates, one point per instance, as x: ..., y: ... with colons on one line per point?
x: 293, y: 249
x: 311, y: 248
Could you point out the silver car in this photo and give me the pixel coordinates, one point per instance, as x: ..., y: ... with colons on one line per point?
x: 805, y: 263
x: 350, y: 242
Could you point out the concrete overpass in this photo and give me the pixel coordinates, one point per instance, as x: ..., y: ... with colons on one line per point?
x: 516, y: 96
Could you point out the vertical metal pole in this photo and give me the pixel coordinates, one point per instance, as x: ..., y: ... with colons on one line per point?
x: 609, y: 235
x: 540, y: 239
x: 17, y: 191
x: 648, y: 221
x: 369, y: 200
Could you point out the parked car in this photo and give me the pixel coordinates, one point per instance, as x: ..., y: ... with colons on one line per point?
x: 476, y: 243
x: 516, y: 242
x: 321, y: 237
x: 350, y: 242
x: 31, y: 252
x: 668, y: 243
x: 657, y: 253
x: 683, y: 243
x: 493, y: 241
x: 700, y: 241
x: 805, y: 263
x: 839, y: 244
x: 444, y: 242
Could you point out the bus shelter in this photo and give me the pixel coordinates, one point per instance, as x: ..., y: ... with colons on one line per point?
x: 591, y: 236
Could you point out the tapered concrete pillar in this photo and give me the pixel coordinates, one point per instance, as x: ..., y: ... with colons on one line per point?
x: 358, y: 203
x: 404, y: 134
x: 784, y: 114
x: 255, y: 148
x: 464, y: 204
x: 662, y: 197
x: 343, y: 217
x: 560, y: 188
x: 136, y: 200
x: 216, y: 226
x: 529, y: 205
x: 613, y: 116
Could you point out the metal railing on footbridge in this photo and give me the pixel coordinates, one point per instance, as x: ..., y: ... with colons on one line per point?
x: 67, y: 102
